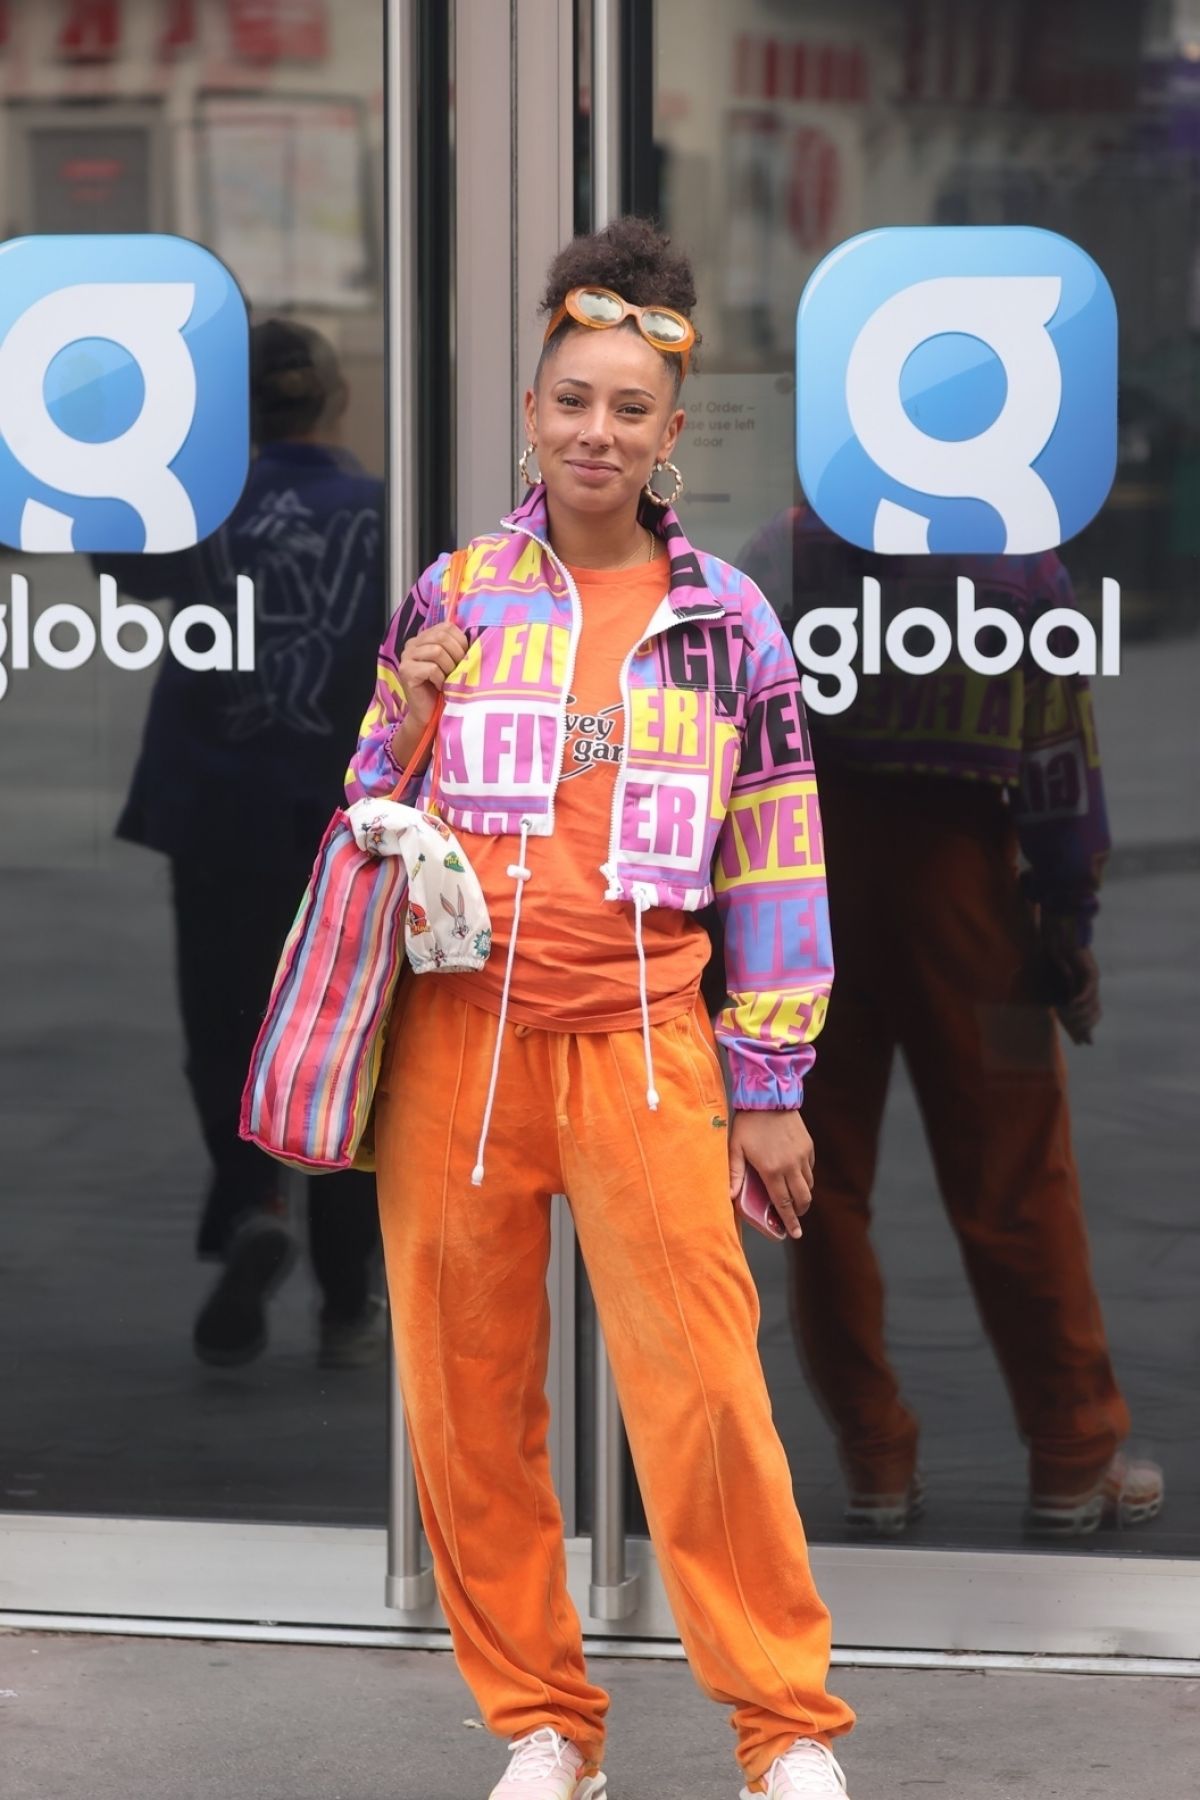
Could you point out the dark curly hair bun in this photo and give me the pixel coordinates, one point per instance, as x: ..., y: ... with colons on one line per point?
x: 294, y: 377
x: 631, y: 256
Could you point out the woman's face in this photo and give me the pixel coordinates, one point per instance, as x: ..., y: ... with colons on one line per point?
x: 602, y: 414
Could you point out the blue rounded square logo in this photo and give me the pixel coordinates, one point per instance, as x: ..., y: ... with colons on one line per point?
x: 956, y: 390
x: 124, y: 393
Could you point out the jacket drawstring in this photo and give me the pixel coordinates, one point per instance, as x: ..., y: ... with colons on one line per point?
x: 643, y: 899
x: 518, y: 872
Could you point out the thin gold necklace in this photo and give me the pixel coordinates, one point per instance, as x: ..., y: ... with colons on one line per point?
x: 649, y: 552
x: 651, y: 547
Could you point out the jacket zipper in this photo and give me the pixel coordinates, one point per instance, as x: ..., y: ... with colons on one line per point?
x: 569, y: 674
x: 610, y: 868
x: 613, y: 890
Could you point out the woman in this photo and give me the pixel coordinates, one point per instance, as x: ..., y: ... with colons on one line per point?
x: 236, y: 777
x: 622, y: 732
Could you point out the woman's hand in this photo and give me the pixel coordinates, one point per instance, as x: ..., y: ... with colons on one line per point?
x: 1078, y: 976
x: 426, y: 661
x: 777, y: 1144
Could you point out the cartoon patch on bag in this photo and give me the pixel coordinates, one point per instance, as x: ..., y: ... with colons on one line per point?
x: 460, y: 928
x: 446, y: 926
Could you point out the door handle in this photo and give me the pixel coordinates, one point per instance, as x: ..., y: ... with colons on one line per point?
x: 614, y: 1593
x: 409, y: 1586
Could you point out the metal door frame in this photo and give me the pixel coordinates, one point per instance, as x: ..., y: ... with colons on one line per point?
x: 513, y: 207
x: 316, y: 1582
x: 82, y: 1569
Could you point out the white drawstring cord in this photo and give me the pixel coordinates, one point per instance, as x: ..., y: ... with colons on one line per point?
x: 643, y: 899
x: 519, y: 873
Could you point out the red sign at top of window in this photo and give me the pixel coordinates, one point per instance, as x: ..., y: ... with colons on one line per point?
x: 179, y: 27
x: 795, y: 69
x: 90, y: 30
x: 279, y: 30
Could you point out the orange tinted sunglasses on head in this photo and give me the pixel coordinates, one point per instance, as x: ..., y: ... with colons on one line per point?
x: 599, y: 308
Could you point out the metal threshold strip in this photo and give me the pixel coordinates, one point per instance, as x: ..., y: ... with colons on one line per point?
x: 647, y: 1649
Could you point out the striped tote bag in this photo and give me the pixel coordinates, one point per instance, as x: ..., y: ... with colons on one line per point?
x: 311, y: 1086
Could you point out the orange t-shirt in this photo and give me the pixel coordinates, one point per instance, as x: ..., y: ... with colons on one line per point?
x: 575, y: 967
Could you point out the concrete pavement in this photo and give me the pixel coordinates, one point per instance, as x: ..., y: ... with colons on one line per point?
x: 92, y: 1718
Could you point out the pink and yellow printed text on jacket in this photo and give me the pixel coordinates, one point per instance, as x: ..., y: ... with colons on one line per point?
x: 716, y: 795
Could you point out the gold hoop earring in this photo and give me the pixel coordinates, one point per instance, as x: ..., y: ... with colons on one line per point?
x: 651, y: 493
x: 523, y: 465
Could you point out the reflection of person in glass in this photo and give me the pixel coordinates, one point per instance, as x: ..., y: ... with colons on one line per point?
x: 236, y: 779
x: 928, y: 784
x: 617, y: 704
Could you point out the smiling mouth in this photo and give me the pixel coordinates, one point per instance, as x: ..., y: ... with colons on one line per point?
x: 577, y: 463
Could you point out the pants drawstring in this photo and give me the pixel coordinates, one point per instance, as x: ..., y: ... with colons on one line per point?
x: 518, y: 872
x: 643, y: 899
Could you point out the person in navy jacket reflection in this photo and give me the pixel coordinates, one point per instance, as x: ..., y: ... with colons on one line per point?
x: 237, y: 777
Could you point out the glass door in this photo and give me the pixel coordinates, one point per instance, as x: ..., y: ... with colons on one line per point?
x: 195, y: 1343
x: 345, y: 163
x: 998, y: 1281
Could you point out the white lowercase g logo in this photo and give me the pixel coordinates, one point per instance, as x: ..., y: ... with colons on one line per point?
x: 957, y: 390
x: 124, y: 393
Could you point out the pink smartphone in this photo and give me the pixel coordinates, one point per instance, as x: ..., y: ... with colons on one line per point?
x: 757, y: 1208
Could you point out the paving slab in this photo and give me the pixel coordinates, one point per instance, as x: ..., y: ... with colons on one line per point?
x: 105, y: 1718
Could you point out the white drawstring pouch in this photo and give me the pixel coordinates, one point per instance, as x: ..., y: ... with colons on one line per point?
x: 446, y: 924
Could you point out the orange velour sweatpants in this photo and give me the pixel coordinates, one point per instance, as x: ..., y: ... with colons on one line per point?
x: 466, y: 1267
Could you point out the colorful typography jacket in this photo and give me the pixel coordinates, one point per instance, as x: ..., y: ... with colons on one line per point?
x: 715, y: 797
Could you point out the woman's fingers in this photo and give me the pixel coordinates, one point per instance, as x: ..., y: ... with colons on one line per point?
x: 450, y: 637
x: 790, y: 1216
x: 791, y: 1196
x: 425, y: 663
x: 799, y: 1181
x: 1080, y: 1018
x: 1081, y: 1014
x: 431, y: 656
x: 416, y: 675
x: 434, y: 652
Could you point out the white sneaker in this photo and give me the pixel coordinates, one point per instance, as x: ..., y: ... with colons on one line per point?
x: 1129, y: 1492
x: 807, y: 1768
x: 545, y: 1766
x: 886, y: 1515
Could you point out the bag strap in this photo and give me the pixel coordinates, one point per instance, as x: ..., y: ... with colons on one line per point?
x: 454, y: 581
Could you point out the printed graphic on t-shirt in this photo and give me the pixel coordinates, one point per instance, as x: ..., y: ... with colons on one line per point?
x: 591, y: 738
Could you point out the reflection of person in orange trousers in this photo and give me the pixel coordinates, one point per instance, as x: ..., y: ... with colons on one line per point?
x: 930, y: 785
